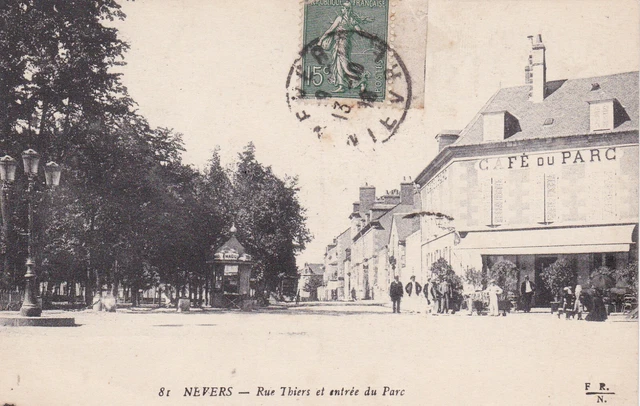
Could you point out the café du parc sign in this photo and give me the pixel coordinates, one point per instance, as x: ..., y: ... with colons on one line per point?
x: 555, y: 159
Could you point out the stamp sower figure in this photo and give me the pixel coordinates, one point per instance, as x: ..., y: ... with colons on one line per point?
x: 396, y: 292
x: 337, y: 41
x: 494, y: 290
x: 526, y: 289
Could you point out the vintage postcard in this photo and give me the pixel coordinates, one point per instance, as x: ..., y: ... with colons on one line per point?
x: 319, y: 202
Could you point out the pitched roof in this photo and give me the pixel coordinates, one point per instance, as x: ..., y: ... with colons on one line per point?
x: 406, y: 226
x: 232, y: 244
x: 385, y: 220
x: 314, y: 269
x: 567, y: 104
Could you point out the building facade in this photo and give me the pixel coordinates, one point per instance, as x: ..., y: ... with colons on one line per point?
x: 544, y: 171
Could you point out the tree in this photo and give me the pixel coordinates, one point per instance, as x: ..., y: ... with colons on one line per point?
x: 128, y: 212
x: 311, y: 285
x: 269, y: 218
x: 442, y: 271
x: 629, y: 275
x: 474, y: 278
x: 56, y: 60
x: 505, y: 273
x: 559, y: 275
x: 59, y: 95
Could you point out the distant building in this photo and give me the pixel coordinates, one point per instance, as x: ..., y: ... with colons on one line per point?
x: 544, y: 171
x: 310, y: 282
x: 371, y: 227
x: 331, y: 283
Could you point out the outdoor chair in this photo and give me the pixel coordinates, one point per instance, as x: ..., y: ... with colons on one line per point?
x: 630, y: 303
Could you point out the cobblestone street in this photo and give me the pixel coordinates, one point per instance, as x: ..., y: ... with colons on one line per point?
x: 129, y: 357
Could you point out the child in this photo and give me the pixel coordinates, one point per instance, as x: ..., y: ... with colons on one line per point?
x: 567, y: 302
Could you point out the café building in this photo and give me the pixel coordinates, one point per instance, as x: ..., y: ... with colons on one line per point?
x: 544, y: 171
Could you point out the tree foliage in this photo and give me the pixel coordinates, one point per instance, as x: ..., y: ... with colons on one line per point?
x: 505, y: 273
x: 629, y: 276
x: 558, y: 275
x: 442, y: 271
x: 128, y: 211
x: 474, y: 277
x: 312, y: 284
x: 269, y: 217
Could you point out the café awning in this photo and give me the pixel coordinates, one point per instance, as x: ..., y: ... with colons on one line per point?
x: 560, y: 240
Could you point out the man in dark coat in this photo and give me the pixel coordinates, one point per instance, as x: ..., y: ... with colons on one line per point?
x: 396, y: 292
x: 435, y: 295
x: 526, y: 290
x: 445, y: 296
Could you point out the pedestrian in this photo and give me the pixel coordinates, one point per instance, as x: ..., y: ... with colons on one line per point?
x: 567, y: 301
x: 526, y: 290
x: 413, y: 290
x: 435, y: 297
x: 426, y: 290
x: 396, y: 292
x: 353, y: 294
x: 597, y: 311
x: 493, y: 290
x: 577, y: 304
x: 445, y: 296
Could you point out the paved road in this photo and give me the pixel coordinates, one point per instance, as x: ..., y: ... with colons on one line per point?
x: 127, y: 357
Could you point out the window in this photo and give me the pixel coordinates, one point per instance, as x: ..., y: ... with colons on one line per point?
x: 601, y: 115
x: 493, y: 198
x: 493, y: 126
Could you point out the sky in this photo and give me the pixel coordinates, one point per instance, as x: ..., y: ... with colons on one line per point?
x: 216, y: 70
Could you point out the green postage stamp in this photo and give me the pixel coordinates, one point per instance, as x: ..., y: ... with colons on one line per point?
x: 359, y: 70
x: 347, y: 49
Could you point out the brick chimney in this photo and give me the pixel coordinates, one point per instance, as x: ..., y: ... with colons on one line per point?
x: 536, y: 70
x: 406, y: 192
x: 367, y: 197
x: 446, y: 138
x: 390, y: 197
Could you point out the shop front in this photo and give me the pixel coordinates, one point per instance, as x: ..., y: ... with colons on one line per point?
x: 584, y: 248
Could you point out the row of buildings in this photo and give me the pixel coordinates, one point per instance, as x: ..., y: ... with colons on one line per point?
x: 545, y: 170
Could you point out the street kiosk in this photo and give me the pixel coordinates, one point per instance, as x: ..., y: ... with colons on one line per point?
x: 231, y: 270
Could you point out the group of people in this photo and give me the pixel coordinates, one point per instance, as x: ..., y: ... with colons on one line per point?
x: 438, y: 295
x: 574, y: 303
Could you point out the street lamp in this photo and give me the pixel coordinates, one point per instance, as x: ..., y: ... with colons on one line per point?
x: 8, y: 168
x: 30, y: 160
x: 52, y: 174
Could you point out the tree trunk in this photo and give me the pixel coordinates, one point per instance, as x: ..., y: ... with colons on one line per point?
x: 88, y: 292
x: 116, y: 281
x: 134, y: 295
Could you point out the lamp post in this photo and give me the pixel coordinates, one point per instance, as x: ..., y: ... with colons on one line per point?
x: 30, y: 160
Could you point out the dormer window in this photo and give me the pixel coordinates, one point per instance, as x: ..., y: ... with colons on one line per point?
x: 601, y: 115
x: 499, y: 125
